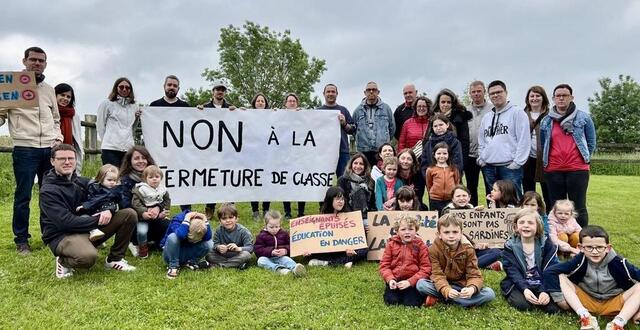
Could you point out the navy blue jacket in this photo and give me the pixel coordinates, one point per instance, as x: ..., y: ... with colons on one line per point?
x: 455, y: 150
x: 623, y: 272
x: 515, y: 268
x: 102, y: 198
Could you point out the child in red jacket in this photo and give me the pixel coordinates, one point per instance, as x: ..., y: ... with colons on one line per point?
x: 404, y: 262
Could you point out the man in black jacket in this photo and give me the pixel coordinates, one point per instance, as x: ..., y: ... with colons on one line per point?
x: 66, y: 232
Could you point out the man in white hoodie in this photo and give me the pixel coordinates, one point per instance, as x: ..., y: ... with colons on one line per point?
x: 503, y: 139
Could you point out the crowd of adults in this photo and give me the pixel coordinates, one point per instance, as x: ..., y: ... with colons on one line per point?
x: 551, y: 145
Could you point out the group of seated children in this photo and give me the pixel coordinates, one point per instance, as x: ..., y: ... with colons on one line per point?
x: 594, y: 281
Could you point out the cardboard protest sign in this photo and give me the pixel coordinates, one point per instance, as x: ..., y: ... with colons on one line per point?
x: 217, y: 155
x: 327, y: 233
x: 381, y: 229
x: 491, y: 226
x: 18, y: 90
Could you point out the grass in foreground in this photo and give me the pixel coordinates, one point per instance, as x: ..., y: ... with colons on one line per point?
x: 326, y: 298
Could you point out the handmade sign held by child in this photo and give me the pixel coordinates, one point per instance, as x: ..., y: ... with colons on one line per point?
x: 18, y: 90
x: 490, y: 226
x: 381, y: 229
x: 322, y: 233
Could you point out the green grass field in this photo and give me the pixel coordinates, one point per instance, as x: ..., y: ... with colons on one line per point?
x: 256, y: 299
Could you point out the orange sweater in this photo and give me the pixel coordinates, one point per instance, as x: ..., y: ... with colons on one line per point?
x: 440, y: 182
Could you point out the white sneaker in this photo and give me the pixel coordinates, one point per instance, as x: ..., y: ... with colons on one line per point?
x: 62, y: 271
x: 95, y: 235
x: 121, y: 265
x: 133, y: 249
x: 348, y: 265
x: 317, y: 263
x: 299, y: 270
x: 283, y: 271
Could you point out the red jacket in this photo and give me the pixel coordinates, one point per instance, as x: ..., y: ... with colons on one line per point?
x: 402, y: 261
x: 412, y: 131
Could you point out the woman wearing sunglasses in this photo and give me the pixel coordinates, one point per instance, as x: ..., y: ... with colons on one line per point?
x: 116, y: 117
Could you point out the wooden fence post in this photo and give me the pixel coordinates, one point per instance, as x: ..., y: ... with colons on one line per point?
x: 90, y: 136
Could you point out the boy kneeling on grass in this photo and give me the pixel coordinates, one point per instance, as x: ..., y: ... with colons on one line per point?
x: 187, y: 241
x: 596, y: 281
x: 232, y: 242
x: 404, y: 262
x: 455, y: 275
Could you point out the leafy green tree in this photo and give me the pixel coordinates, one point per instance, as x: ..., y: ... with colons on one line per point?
x: 616, y: 111
x: 256, y: 60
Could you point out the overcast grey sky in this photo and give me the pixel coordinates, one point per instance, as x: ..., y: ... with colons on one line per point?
x: 434, y: 44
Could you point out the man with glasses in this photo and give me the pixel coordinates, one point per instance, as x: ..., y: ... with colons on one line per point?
x: 478, y: 108
x: 596, y: 281
x: 34, y: 131
x: 405, y: 110
x: 504, y: 140
x: 66, y: 232
x: 374, y: 123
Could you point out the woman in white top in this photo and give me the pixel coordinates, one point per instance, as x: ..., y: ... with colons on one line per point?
x: 537, y: 107
x: 116, y: 117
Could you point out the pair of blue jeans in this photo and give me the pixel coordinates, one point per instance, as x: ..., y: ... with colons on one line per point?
x: 275, y: 263
x: 27, y: 164
x: 177, y: 253
x: 492, y: 174
x: 485, y: 295
x: 343, y: 160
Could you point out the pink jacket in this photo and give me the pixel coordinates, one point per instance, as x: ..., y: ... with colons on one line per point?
x: 557, y: 227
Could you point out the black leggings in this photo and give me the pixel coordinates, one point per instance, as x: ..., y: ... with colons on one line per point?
x: 407, y: 297
x: 570, y: 185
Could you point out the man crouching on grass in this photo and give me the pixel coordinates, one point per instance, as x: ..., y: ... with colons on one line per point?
x: 66, y: 232
x: 596, y: 281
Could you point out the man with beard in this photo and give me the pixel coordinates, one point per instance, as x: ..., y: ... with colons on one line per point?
x: 34, y: 131
x: 170, y: 98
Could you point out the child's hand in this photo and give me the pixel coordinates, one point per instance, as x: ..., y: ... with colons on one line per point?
x: 393, y: 284
x: 528, y: 294
x: 479, y: 208
x: 574, y: 251
x: 306, y: 254
x: 482, y: 246
x: 467, y: 292
x: 233, y: 247
x: 164, y: 214
x: 403, y: 284
x: 544, y: 299
x: 453, y: 293
x: 350, y: 252
x: 222, y: 249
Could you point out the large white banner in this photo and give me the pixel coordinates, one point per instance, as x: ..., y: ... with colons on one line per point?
x: 216, y: 155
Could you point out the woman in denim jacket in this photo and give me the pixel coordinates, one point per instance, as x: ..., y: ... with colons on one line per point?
x: 568, y: 137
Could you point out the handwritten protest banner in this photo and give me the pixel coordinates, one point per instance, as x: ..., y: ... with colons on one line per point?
x: 327, y: 233
x: 18, y: 90
x: 490, y: 226
x: 381, y: 229
x: 217, y: 155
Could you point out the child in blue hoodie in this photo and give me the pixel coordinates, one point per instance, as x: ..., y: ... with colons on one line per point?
x: 596, y: 281
x: 186, y: 242
x: 525, y: 257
